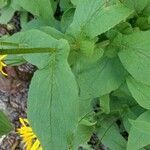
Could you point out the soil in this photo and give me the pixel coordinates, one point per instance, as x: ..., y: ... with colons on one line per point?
x: 13, y: 101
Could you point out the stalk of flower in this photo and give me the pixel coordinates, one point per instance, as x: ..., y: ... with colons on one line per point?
x: 2, y: 64
x: 30, y: 140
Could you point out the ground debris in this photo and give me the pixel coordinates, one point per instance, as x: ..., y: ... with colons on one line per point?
x: 13, y: 101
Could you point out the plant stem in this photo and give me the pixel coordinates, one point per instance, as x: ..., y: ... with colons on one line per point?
x: 26, y: 50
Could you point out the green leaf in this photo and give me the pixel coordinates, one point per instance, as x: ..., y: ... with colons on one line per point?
x: 52, y: 32
x: 65, y: 4
x: 122, y: 92
x: 3, y: 3
x: 110, y: 136
x: 82, y: 135
x: 104, y: 103
x: 87, y: 47
x: 128, y: 115
x: 139, y: 134
x: 87, y: 122
x: 14, y: 60
x: 85, y: 127
x: 29, y: 5
x: 136, y: 5
x: 47, y: 14
x: 146, y: 10
x: 6, y: 14
x: 54, y: 4
x: 79, y: 61
x: 5, y: 125
x: 107, y: 19
x: 140, y: 92
x: 97, y: 17
x: 74, y: 2
x: 135, y: 55
x: 35, y: 39
x: 67, y: 18
x: 142, y: 23
x: 37, y: 7
x: 33, y: 24
x: 100, y: 78
x: 53, y: 101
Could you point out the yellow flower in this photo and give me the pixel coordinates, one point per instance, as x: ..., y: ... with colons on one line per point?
x: 2, y: 64
x: 29, y: 138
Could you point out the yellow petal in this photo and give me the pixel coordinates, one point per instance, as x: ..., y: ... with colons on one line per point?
x: 4, y: 65
x: 2, y: 56
x: 29, y: 138
x: 29, y: 145
x: 40, y: 148
x: 36, y: 145
x: 22, y: 122
x: 5, y: 74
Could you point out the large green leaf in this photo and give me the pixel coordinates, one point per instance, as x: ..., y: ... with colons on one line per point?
x: 35, y: 39
x: 97, y: 17
x: 140, y: 92
x: 53, y: 101
x: 5, y: 125
x: 135, y: 55
x: 139, y: 135
x: 100, y: 78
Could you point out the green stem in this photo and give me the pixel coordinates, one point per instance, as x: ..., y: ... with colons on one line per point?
x: 26, y: 50
x: 2, y: 43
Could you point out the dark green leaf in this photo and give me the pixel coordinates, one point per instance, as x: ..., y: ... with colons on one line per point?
x: 5, y: 124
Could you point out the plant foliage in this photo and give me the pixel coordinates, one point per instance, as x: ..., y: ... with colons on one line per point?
x: 96, y: 79
x: 5, y: 125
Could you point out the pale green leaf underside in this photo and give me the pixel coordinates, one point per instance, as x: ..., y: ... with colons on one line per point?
x: 140, y: 92
x: 53, y: 100
x: 135, y: 55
